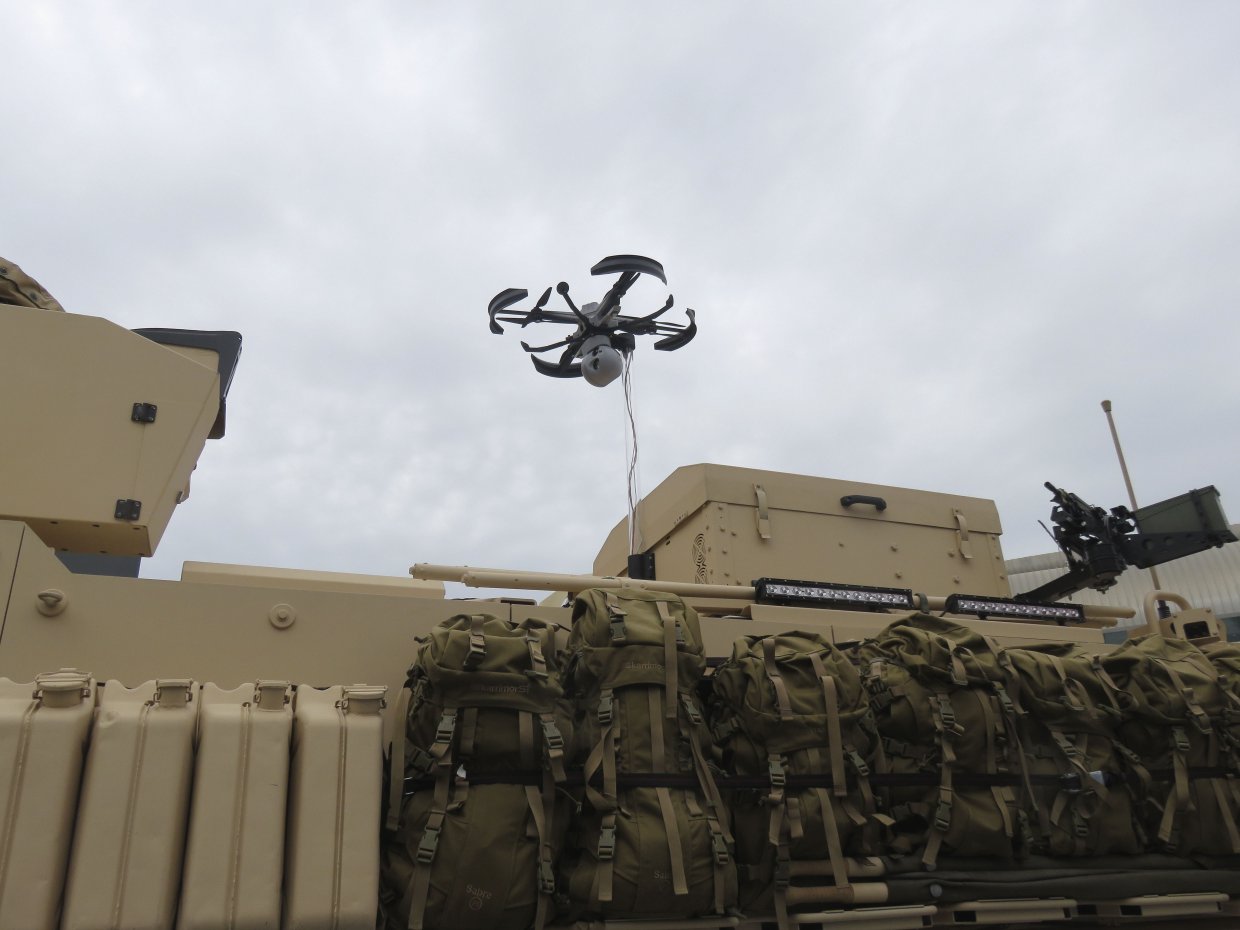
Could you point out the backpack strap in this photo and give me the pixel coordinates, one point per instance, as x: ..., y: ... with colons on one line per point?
x: 830, y: 825
x: 670, y: 667
x: 947, y: 729
x: 777, y: 680
x: 538, y: 661
x: 835, y: 738
x: 396, y: 761
x: 477, y: 643
x: 616, y: 614
x: 1002, y: 794
x: 424, y: 857
x: 1180, y: 798
x: 707, y: 781
x: 542, y: 811
x: 603, y: 756
x: 680, y: 883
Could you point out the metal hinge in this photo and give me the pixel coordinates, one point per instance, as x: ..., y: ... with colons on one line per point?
x: 128, y: 509
x: 143, y: 413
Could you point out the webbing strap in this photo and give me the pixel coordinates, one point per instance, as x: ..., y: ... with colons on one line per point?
x: 1113, y: 690
x: 839, y: 868
x: 469, y: 731
x: 772, y: 672
x: 1000, y: 794
x: 477, y: 643
x: 1179, y: 798
x: 553, y: 746
x: 720, y: 858
x: 539, y: 809
x: 670, y: 667
x: 525, y: 734
x: 783, y: 878
x: 1229, y: 822
x: 606, y: 857
x: 618, y: 632
x: 796, y: 823
x: 959, y: 675
x: 835, y: 738
x: 1075, y: 697
x: 680, y: 883
x: 441, y: 748
x: 707, y: 780
x: 396, y: 761
x: 428, y: 845
x: 538, y: 661
x: 945, y: 723
x: 1196, y: 713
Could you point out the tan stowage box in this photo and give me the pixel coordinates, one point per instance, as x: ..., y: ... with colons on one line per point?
x: 102, y: 428
x: 43, y: 730
x: 331, y: 879
x: 714, y: 524
x: 130, y: 836
x: 234, y: 858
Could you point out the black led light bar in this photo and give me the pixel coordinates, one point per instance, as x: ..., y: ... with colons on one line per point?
x: 828, y: 594
x: 998, y: 607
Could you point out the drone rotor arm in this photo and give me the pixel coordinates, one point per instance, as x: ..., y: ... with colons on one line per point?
x: 675, y: 341
x: 636, y: 264
x: 543, y: 367
x: 555, y: 345
x: 658, y: 313
x: 500, y: 302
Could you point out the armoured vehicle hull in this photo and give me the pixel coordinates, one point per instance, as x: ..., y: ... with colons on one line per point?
x: 209, y: 752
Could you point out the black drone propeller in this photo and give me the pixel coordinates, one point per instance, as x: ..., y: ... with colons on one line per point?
x: 602, y: 331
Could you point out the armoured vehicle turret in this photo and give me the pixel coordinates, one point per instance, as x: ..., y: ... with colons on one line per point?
x: 217, y: 751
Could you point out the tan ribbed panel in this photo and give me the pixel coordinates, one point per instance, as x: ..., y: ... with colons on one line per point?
x: 130, y: 835
x: 234, y: 858
x: 332, y: 865
x: 43, y: 730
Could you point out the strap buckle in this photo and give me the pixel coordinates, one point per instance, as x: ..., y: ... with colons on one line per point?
x: 718, y: 844
x: 427, y: 846
x: 617, y: 613
x: 605, y: 707
x: 943, y: 813
x: 477, y: 650
x: 546, y: 877
x: 686, y: 700
x: 446, y: 727
x: 551, y: 734
x: 1181, y: 739
x: 607, y: 843
x: 858, y: 763
x: 776, y: 769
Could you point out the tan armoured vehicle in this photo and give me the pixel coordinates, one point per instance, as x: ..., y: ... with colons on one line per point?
x: 210, y: 752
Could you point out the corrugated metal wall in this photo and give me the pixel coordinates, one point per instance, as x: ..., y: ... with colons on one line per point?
x: 1207, y: 579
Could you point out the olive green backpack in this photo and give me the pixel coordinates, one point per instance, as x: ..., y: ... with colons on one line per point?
x: 950, y: 737
x: 790, y: 711
x: 650, y: 838
x: 473, y: 836
x: 1179, y: 725
x: 1078, y: 801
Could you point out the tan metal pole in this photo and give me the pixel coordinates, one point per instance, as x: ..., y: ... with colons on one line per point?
x: 1123, y: 467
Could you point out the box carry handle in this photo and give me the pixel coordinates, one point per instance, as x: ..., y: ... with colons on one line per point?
x: 876, y: 502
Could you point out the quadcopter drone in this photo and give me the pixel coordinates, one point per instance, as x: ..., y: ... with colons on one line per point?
x: 602, y: 332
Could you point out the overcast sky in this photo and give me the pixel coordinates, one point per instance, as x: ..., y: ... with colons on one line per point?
x: 923, y: 240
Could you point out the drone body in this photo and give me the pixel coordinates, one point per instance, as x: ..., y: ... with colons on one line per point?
x: 603, y: 335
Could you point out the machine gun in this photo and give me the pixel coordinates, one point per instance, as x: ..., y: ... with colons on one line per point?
x: 1100, y: 544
